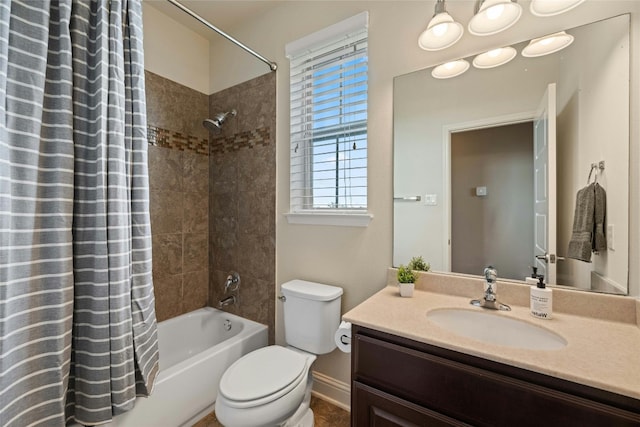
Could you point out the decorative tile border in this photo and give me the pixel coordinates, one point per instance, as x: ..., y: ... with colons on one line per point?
x: 249, y: 139
x: 160, y: 137
x: 165, y: 138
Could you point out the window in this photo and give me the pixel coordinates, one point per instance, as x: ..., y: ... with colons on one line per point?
x: 328, y: 94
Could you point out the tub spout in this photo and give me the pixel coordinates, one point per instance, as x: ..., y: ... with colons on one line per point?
x: 231, y: 299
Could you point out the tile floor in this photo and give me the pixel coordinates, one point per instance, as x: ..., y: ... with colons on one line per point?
x: 325, y: 415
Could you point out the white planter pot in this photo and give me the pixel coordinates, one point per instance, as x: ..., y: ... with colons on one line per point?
x: 406, y: 289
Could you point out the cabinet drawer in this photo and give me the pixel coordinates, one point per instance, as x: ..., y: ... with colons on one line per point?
x: 473, y: 395
x: 373, y: 407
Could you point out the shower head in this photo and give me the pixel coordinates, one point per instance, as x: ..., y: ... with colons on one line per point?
x: 215, y: 124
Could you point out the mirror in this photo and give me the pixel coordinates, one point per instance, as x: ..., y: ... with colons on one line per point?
x: 457, y: 167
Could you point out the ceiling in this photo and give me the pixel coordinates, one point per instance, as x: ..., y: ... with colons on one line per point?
x: 224, y: 14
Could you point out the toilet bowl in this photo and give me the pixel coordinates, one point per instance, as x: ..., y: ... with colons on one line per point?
x: 268, y: 387
x: 271, y: 386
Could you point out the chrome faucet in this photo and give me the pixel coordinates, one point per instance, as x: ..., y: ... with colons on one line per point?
x: 231, y: 299
x: 232, y: 286
x: 490, y: 276
x: 490, y: 299
x: 232, y: 283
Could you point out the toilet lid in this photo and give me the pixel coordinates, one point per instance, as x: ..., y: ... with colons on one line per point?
x: 264, y: 374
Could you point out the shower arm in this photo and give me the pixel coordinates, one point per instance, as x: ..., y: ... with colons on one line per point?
x: 272, y: 65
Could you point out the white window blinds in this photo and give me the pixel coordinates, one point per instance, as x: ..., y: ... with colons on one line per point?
x: 328, y: 84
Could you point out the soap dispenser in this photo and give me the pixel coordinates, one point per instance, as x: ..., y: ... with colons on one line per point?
x: 533, y: 279
x: 541, y: 300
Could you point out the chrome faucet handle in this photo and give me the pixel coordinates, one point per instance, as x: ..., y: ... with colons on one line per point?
x: 490, y: 295
x: 490, y: 274
x: 232, y: 283
x: 490, y: 299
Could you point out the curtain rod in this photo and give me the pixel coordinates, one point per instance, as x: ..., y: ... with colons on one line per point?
x: 272, y: 65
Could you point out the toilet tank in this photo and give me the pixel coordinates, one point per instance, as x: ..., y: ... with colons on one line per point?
x: 311, y: 315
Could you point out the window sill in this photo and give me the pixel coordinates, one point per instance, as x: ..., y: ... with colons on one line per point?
x: 344, y: 219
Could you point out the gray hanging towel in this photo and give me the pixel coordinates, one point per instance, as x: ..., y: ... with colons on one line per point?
x: 588, y: 223
x: 600, y: 212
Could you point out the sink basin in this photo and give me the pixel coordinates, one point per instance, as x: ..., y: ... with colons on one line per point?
x: 496, y: 328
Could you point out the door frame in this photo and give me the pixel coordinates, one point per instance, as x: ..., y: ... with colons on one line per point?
x: 547, y: 114
x: 447, y: 130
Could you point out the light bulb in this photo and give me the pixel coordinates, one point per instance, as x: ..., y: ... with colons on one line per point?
x: 494, y: 57
x: 450, y: 69
x: 547, y: 41
x: 494, y: 16
x: 547, y: 44
x: 495, y: 12
x: 440, y: 29
x: 441, y: 33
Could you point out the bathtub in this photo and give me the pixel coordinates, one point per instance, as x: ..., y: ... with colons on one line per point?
x: 195, y: 350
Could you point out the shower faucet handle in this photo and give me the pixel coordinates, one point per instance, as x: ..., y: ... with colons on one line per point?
x: 232, y: 283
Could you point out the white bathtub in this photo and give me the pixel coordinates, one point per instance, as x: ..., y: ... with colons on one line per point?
x: 195, y: 350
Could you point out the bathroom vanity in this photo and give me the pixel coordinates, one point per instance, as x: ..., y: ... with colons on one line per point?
x: 406, y: 370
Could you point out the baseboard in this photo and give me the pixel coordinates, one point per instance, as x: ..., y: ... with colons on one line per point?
x: 199, y: 416
x: 331, y: 390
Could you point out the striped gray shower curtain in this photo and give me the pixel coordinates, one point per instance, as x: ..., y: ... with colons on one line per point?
x: 78, y: 336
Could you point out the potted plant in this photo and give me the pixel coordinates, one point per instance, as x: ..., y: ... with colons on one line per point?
x: 406, y: 278
x: 417, y: 263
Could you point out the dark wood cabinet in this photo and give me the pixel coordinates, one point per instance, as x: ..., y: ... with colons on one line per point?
x: 400, y: 382
x: 376, y: 408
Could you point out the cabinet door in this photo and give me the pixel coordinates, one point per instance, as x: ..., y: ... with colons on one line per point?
x: 474, y: 395
x: 376, y: 408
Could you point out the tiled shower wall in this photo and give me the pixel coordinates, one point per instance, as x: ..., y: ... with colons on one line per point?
x: 243, y: 198
x: 179, y: 188
x: 212, y: 201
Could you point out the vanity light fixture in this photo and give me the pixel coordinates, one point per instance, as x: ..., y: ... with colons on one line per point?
x: 450, y: 69
x: 548, y: 44
x: 552, y: 7
x: 442, y: 31
x: 493, y: 16
x: 494, y: 57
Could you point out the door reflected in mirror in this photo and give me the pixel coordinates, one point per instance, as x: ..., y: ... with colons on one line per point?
x: 492, y: 168
x: 482, y: 197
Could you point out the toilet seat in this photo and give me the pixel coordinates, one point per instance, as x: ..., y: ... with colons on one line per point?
x: 263, y: 376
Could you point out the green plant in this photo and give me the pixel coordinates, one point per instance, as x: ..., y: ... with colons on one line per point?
x: 419, y: 264
x: 406, y: 275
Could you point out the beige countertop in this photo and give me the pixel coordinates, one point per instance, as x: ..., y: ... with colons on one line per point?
x: 602, y: 331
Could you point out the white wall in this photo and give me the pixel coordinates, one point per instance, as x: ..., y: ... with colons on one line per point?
x: 173, y: 51
x: 357, y: 259
x: 595, y: 95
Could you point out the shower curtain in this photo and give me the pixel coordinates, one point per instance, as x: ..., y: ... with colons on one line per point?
x: 78, y: 336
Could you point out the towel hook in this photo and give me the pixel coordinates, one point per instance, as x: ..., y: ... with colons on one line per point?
x: 596, y: 167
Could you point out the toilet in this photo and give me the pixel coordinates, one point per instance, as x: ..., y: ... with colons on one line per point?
x: 271, y: 386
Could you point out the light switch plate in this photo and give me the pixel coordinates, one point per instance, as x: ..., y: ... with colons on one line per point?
x: 431, y: 199
x: 481, y: 191
x: 610, y: 237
